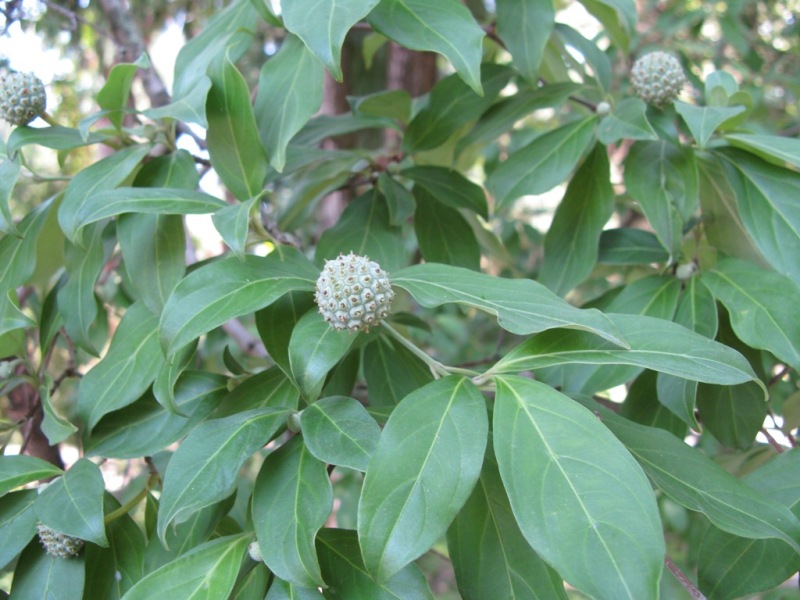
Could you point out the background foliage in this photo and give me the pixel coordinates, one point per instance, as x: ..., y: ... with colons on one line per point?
x: 587, y: 386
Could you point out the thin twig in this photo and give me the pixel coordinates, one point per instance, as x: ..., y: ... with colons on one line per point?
x: 772, y: 441
x: 244, y: 339
x: 687, y: 583
x: 785, y: 370
x: 74, y: 18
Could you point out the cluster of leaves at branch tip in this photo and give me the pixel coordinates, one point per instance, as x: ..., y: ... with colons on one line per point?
x: 353, y: 293
x: 58, y: 544
x: 658, y: 78
x: 22, y: 97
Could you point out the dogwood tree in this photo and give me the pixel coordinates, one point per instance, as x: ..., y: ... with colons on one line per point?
x: 401, y: 299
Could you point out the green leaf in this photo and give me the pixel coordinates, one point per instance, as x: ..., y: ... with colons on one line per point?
x: 110, y: 573
x: 451, y: 105
x: 54, y: 426
x: 312, y: 183
x: 18, y: 469
x: 39, y: 575
x: 627, y: 120
x: 283, y: 590
x: 522, y: 306
x: 654, y: 344
x: 629, y: 246
x: 663, y: 180
x: 445, y: 27
x: 733, y: 414
x: 9, y: 173
x: 697, y: 310
x: 762, y: 306
x: 365, y: 228
x: 191, y: 108
x: 314, y: 349
x: 73, y: 504
x: 398, y: 199
x: 292, y: 500
x: 731, y: 566
x: 653, y: 295
x: 269, y: 389
x: 205, y: 467
x: 703, y: 121
x: 228, y: 288
x: 579, y: 498
x: 219, y: 35
x: 113, y: 96
x: 424, y: 468
x: 233, y: 224
x: 339, y: 431
x: 154, y: 254
x: 290, y: 85
x: 154, y: 246
x: 489, y: 553
x: 767, y: 197
x: 443, y: 235
x: 145, y: 427
x: 55, y: 137
x: 591, y: 58
x: 276, y: 322
x: 504, y: 113
x: 449, y: 187
x: 16, y: 251
x: 642, y: 406
x: 571, y: 243
x: 11, y: 317
x: 695, y: 481
x: 394, y: 104
x: 206, y: 572
x: 110, y: 203
x: 77, y: 302
x: 233, y: 141
x: 721, y: 219
x: 617, y: 16
x: 168, y: 374
x: 776, y: 149
x: 17, y: 523
x: 126, y: 371
x: 253, y: 585
x: 323, y: 24
x: 344, y: 570
x: 525, y: 28
x: 182, y: 538
x: 542, y: 164
x: 392, y: 372
x: 105, y: 174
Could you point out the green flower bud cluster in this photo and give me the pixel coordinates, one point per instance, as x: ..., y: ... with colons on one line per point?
x: 353, y: 293
x: 658, y: 78
x: 22, y: 98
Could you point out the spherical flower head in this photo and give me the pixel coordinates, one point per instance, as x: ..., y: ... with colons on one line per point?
x: 353, y: 293
x: 58, y: 544
x: 658, y: 78
x: 22, y: 97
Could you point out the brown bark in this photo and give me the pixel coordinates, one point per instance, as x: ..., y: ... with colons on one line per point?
x: 412, y: 71
x: 24, y: 406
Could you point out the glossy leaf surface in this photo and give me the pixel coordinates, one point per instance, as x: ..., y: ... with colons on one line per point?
x: 425, y: 466
x: 576, y: 493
